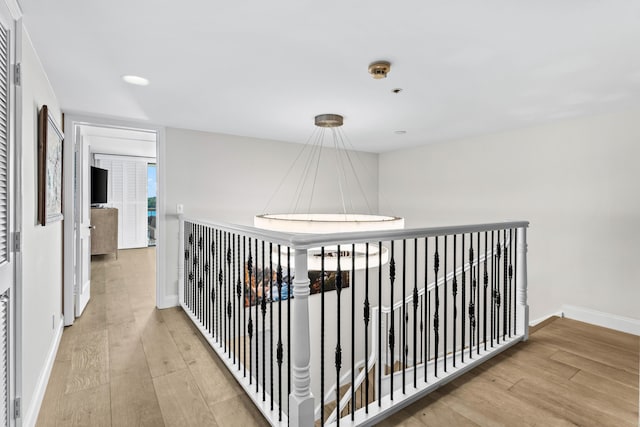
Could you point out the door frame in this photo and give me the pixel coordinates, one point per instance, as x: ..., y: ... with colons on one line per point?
x: 15, y: 210
x: 71, y: 120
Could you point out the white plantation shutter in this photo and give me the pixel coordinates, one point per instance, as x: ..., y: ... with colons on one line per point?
x: 4, y: 148
x: 127, y: 192
x: 4, y: 358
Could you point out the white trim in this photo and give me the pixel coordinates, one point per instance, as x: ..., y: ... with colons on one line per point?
x: 31, y: 414
x: 168, y: 301
x: 14, y: 8
x: 17, y: 210
x: 72, y: 119
x: 599, y: 318
x: 162, y: 299
x: 542, y: 319
x: 102, y: 156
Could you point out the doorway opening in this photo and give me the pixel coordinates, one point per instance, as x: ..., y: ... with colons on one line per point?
x: 124, y: 214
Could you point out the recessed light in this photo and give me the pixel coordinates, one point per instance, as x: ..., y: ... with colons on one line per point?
x: 135, y: 80
x: 400, y: 132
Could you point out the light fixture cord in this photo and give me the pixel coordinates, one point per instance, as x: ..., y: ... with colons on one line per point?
x: 338, y: 170
x: 315, y: 177
x: 381, y: 195
x: 353, y: 169
x: 289, y: 170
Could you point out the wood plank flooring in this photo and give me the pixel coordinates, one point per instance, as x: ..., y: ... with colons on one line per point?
x: 125, y: 363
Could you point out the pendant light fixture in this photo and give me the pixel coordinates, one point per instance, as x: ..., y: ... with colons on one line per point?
x: 337, y: 222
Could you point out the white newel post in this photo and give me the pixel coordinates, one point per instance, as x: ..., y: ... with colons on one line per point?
x: 521, y: 278
x: 301, y: 406
x: 181, y: 258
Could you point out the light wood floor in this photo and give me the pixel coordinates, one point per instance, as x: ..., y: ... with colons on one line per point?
x: 125, y: 363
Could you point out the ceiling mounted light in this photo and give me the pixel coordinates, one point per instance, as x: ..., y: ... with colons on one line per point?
x: 135, y: 80
x: 307, y: 222
x: 379, y: 69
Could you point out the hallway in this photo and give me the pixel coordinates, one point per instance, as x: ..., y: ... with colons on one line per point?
x: 125, y: 363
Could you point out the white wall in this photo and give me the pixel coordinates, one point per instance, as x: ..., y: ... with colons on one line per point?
x: 576, y: 181
x: 231, y: 179
x: 42, y: 246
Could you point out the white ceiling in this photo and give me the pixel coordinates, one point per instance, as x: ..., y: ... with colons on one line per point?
x: 126, y: 142
x: 266, y: 68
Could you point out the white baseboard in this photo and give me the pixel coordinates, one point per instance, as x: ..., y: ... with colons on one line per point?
x: 542, y: 319
x: 31, y: 414
x: 599, y: 318
x: 169, y: 301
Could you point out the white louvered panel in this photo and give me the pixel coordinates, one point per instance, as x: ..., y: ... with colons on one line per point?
x: 4, y: 358
x: 128, y: 193
x: 4, y: 149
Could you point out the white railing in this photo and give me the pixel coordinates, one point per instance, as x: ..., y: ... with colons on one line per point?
x: 427, y: 311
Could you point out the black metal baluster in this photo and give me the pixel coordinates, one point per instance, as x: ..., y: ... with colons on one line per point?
x: 464, y: 300
x: 379, y: 363
x: 422, y: 342
x: 196, y: 265
x: 227, y: 295
x: 510, y: 276
x: 497, y: 290
x: 404, y: 314
x: 477, y: 294
x: 392, y: 333
x: 221, y: 297
x: 239, y: 289
x: 271, y: 320
x: 279, y: 350
x: 486, y: 284
x: 493, y: 284
x: 193, y: 283
x: 415, y: 312
x: 505, y: 301
x: 214, y: 279
x: 427, y: 307
x: 187, y: 261
x: 515, y: 284
x: 263, y: 309
x: 222, y: 251
x: 194, y: 270
x: 201, y: 297
x: 454, y: 293
x: 204, y: 253
x: 472, y: 301
x: 436, y: 314
x: 232, y: 300
x: 322, y: 322
x: 366, y: 315
x: 250, y: 325
x: 444, y: 347
x: 289, y: 296
x: 210, y: 278
x: 257, y: 316
x: 244, y: 303
x: 353, y: 329
x: 338, y: 356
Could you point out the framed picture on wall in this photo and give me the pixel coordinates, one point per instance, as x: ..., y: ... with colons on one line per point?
x: 50, y: 141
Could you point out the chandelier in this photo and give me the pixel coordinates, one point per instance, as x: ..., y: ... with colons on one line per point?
x: 337, y: 222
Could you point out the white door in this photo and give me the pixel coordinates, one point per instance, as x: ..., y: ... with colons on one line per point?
x: 83, y: 225
x: 8, y: 223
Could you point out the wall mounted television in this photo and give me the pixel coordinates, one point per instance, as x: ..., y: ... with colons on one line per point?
x: 99, y: 182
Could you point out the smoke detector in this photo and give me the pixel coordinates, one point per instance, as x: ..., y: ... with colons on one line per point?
x: 379, y: 69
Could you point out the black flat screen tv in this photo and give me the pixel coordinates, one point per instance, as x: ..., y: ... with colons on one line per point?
x: 98, y: 185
